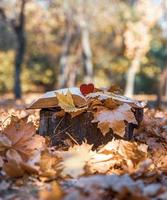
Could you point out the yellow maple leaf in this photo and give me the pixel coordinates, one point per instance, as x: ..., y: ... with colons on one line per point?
x: 66, y: 102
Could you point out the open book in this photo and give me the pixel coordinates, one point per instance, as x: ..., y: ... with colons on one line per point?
x: 49, y: 100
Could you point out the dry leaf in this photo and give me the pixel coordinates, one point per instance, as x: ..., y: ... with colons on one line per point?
x: 114, y: 119
x: 107, y: 187
x: 74, y: 160
x: 114, y: 89
x: 116, y: 97
x: 12, y: 167
x: 53, y: 193
x: 117, y: 157
x: 60, y: 113
x: 48, y: 164
x: 13, y: 155
x: 66, y: 102
x: 22, y: 136
x: 15, y: 166
x: 29, y: 169
x: 5, y: 143
x: 1, y: 162
x: 111, y: 104
x: 118, y: 153
x: 74, y: 114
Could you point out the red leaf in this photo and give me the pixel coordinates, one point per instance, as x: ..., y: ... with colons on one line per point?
x: 87, y: 88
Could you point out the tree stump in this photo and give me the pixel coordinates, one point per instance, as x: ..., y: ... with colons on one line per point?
x: 88, y: 100
x: 79, y: 128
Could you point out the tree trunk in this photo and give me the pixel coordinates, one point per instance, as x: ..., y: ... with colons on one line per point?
x: 87, y: 53
x: 79, y: 128
x: 159, y: 95
x: 63, y: 61
x: 130, y: 76
x: 18, y: 27
x: 163, y: 82
x: 72, y: 75
x: 162, y: 89
x: 62, y: 79
x: 19, y: 30
x: 18, y: 65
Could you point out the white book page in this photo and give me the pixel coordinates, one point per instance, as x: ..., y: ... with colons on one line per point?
x: 73, y: 90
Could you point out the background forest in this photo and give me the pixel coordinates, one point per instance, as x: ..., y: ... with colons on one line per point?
x: 49, y: 44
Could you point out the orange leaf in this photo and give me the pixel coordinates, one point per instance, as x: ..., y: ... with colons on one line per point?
x: 114, y: 119
x: 15, y: 166
x: 5, y: 143
x: 21, y: 134
x: 55, y: 192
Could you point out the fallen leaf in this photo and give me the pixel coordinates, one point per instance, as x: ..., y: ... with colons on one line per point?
x: 73, y: 163
x: 114, y: 89
x: 48, y: 164
x: 120, y: 154
x: 12, y: 167
x: 5, y: 143
x: 53, y: 193
x: 15, y: 166
x: 111, y: 104
x: 29, y: 169
x: 13, y: 155
x: 66, y: 102
x: 80, y: 111
x: 1, y: 162
x: 23, y: 139
x: 111, y: 186
x: 60, y: 113
x: 114, y: 119
x: 19, y: 129
x: 116, y: 97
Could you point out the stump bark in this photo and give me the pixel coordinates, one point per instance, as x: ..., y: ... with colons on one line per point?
x: 79, y: 128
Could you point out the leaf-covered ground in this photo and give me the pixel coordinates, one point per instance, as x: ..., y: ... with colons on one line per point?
x: 31, y: 169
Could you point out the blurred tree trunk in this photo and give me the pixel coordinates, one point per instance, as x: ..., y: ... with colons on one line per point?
x: 20, y: 35
x: 164, y: 83
x: 64, y: 59
x: 77, y: 28
x: 18, y: 25
x: 130, y: 76
x: 85, y: 41
x: 62, y: 78
x: 73, y: 67
x: 86, y: 51
x: 162, y: 89
x: 72, y: 75
x: 158, y: 94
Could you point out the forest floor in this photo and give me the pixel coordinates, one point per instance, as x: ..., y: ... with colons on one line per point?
x: 119, y: 170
